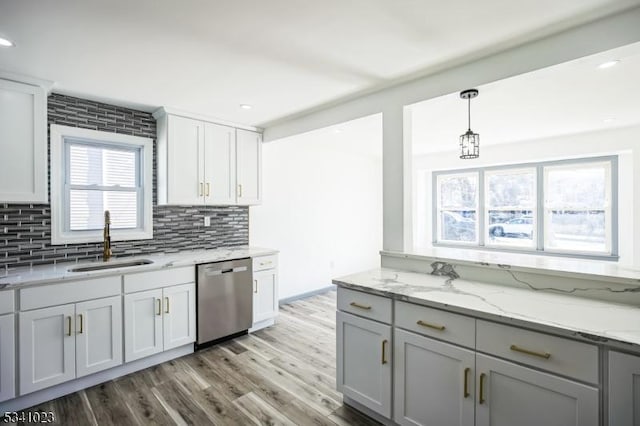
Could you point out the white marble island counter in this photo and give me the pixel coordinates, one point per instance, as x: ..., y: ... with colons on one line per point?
x: 559, y: 312
x: 48, y: 274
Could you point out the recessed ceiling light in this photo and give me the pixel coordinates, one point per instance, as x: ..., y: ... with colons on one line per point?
x: 609, y: 64
x: 6, y: 43
x: 245, y: 106
x: 337, y: 131
x: 609, y: 120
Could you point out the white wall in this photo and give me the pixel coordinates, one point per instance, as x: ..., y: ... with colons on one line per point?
x: 623, y: 141
x: 322, y: 205
x: 604, y: 34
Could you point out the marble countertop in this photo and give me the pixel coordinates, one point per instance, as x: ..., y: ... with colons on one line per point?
x: 549, y: 265
x: 47, y: 274
x: 580, y: 317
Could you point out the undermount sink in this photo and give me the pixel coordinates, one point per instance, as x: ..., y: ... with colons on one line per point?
x: 111, y: 265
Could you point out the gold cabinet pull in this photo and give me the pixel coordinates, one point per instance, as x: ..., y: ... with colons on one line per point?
x: 265, y: 263
x: 208, y: 189
x: 81, y: 323
x: 481, y: 400
x: 166, y: 299
x: 240, y: 190
x: 255, y: 290
x: 357, y: 305
x: 545, y: 355
x: 158, y: 307
x: 466, y: 382
x: 201, y: 189
x: 69, y: 326
x: 384, y: 354
x: 429, y: 325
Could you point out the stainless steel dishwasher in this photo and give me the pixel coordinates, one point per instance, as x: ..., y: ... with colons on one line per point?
x: 225, y: 300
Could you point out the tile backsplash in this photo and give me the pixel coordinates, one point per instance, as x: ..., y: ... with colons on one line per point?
x: 25, y: 229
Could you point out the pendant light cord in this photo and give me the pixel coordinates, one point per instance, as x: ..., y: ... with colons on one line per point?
x: 469, y: 114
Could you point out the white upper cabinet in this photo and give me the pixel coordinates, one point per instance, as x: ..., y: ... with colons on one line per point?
x: 23, y: 143
x: 185, y: 162
x: 249, y: 163
x: 220, y: 164
x: 203, y: 163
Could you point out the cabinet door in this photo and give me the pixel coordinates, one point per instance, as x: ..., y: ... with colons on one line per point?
x: 624, y: 389
x: 142, y: 324
x: 265, y: 295
x: 23, y: 143
x: 47, y: 347
x: 179, y: 310
x: 219, y: 164
x: 249, y: 167
x: 7, y: 357
x: 98, y: 335
x: 364, y: 362
x: 185, y: 161
x: 509, y: 394
x: 434, y: 382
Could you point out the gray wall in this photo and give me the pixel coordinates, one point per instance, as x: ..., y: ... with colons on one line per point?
x: 25, y: 230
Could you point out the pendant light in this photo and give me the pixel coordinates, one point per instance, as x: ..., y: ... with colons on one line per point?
x: 469, y: 142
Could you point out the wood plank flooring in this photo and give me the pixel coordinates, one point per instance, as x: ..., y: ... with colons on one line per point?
x: 281, y: 375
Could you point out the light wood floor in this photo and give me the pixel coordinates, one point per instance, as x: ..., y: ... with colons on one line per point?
x: 282, y: 375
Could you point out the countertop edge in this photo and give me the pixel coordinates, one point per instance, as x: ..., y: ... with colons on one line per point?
x: 581, y: 335
x: 173, y: 260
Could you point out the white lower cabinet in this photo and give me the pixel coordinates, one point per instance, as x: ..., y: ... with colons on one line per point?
x: 434, y: 382
x: 64, y: 342
x: 265, y: 295
x: 7, y: 357
x: 364, y: 362
x: 509, y: 394
x: 179, y: 315
x: 624, y: 389
x: 98, y: 335
x: 158, y: 320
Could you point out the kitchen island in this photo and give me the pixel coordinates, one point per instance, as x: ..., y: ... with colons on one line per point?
x: 434, y: 339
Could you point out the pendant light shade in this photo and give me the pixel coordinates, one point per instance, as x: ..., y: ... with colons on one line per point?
x: 469, y: 142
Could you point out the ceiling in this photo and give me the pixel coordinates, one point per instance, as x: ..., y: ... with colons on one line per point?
x: 280, y: 56
x: 570, y: 98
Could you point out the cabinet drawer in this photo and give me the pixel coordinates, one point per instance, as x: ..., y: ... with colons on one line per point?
x: 265, y: 262
x: 563, y: 356
x: 63, y: 293
x: 365, y: 305
x: 143, y: 281
x: 442, y: 325
x: 6, y: 302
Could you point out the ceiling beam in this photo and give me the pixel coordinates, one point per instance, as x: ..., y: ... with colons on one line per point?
x: 607, y: 33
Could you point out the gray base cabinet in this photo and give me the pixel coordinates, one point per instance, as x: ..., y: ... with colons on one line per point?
x: 434, y: 382
x: 509, y: 394
x: 624, y: 389
x: 364, y: 362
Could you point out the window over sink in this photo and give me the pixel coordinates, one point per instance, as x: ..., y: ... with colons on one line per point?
x: 561, y: 207
x: 94, y: 171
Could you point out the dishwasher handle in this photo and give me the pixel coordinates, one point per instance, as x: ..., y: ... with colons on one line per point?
x: 214, y: 271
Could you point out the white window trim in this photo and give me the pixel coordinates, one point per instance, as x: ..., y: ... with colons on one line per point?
x: 611, y: 211
x: 439, y: 209
x: 508, y: 171
x: 58, y: 234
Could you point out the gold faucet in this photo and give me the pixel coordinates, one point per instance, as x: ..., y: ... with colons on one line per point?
x: 106, y: 242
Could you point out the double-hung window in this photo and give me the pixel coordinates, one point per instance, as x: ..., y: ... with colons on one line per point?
x: 93, y: 172
x: 561, y: 207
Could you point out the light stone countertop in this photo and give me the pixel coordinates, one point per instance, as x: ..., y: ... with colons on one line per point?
x: 594, y: 320
x: 591, y: 269
x: 47, y: 274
